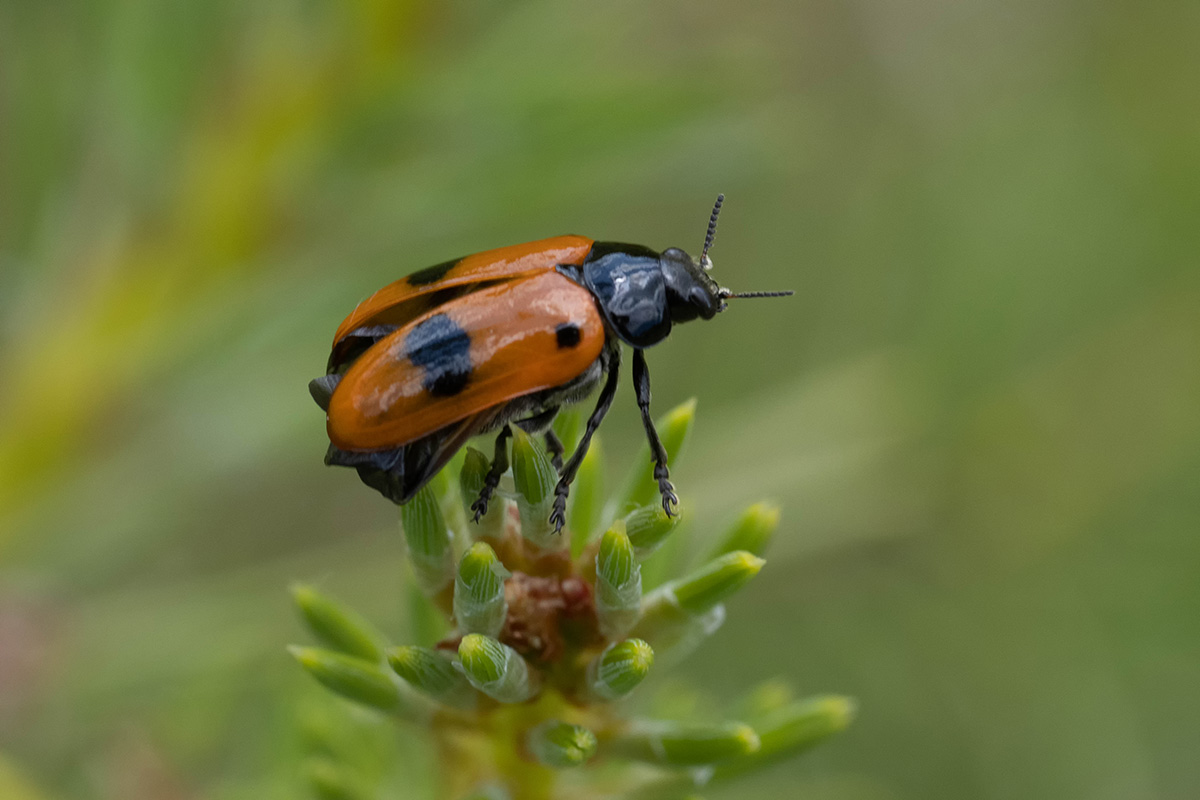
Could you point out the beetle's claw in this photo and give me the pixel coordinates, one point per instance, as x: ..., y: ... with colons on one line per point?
x: 480, y: 506
x: 558, y: 516
x: 669, y: 500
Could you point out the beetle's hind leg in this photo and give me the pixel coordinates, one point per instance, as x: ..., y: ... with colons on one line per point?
x: 641, y: 385
x: 492, y: 480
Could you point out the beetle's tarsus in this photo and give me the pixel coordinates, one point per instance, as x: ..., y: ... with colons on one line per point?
x: 480, y: 505
x: 558, y: 515
x: 666, y: 489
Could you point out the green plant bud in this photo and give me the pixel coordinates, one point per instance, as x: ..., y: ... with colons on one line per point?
x: 619, y: 669
x: 648, y: 527
x: 752, y: 531
x: 479, y: 604
x: 470, y: 483
x: 329, y: 781
x: 618, y: 583
x: 432, y: 673
x: 716, y: 580
x: 353, y: 678
x: 793, y: 729
x: 686, y: 745
x: 640, y: 488
x: 338, y: 626
x: 557, y: 744
x: 428, y: 541
x: 535, y: 478
x: 587, y: 498
x: 497, y: 670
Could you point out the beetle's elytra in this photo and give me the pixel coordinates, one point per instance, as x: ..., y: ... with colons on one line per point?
x: 500, y: 338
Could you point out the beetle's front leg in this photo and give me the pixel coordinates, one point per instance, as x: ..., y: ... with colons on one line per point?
x: 492, y: 480
x: 641, y: 385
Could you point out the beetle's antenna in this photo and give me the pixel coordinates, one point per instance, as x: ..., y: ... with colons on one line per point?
x: 712, y: 232
x: 725, y: 293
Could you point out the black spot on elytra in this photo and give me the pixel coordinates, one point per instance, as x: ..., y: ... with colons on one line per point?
x: 567, y: 334
x: 423, y: 277
x: 443, y: 350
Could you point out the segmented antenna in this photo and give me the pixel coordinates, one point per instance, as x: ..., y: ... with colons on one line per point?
x: 712, y: 230
x: 727, y: 293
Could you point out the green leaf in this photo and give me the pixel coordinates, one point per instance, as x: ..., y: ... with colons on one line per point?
x: 535, y: 478
x: 428, y: 541
x: 791, y: 730
x: 619, y: 669
x: 715, y: 581
x: 470, y: 484
x: 433, y: 674
x: 648, y: 527
x: 445, y: 487
x: 353, y: 678
x: 497, y: 670
x: 752, y: 531
x: 618, y: 583
x: 479, y: 604
x: 337, y: 625
x: 682, y: 745
x: 558, y: 744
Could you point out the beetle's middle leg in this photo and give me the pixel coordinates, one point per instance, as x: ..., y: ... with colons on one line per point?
x: 641, y: 385
x: 492, y: 480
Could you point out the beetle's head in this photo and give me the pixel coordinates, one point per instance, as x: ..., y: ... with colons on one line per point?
x: 691, y: 293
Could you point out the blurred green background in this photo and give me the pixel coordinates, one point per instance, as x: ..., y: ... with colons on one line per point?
x: 980, y: 413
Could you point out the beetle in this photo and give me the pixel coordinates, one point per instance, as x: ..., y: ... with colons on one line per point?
x: 500, y: 338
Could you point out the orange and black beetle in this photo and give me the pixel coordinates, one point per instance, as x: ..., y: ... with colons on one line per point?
x: 504, y: 337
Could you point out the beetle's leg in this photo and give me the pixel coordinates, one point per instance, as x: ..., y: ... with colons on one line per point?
x: 641, y: 386
x: 492, y: 480
x: 558, y: 516
x: 554, y: 447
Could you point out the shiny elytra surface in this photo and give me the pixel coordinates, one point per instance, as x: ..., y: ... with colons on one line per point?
x: 403, y: 300
x: 488, y: 347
